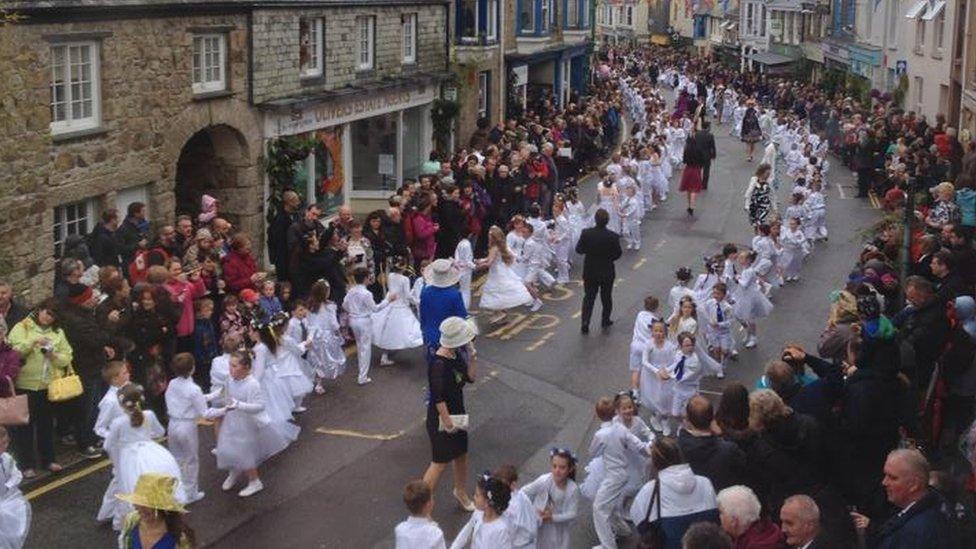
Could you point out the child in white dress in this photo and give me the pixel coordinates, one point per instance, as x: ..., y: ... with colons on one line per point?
x: 816, y: 226
x: 278, y: 401
x: 419, y: 531
x: 325, y: 356
x: 561, y: 238
x: 683, y: 276
x: 717, y: 317
x: 795, y: 249
x: 577, y: 215
x: 117, y: 376
x: 630, y: 218
x: 286, y: 352
x: 132, y: 449
x: 464, y: 263
x: 627, y: 416
x: 185, y: 404
x: 503, y: 289
x: 653, y: 380
x: 686, y: 370
x: 555, y: 497
x: 248, y: 437
x: 396, y: 328
x: 360, y: 306
x: 515, y: 242
x: 751, y: 304
x: 536, y: 257
x: 487, y: 528
x: 708, y: 279
x: 523, y: 519
x: 15, y: 511
x: 642, y: 331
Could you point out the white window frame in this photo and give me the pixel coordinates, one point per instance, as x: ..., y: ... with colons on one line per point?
x: 317, y: 50
x: 920, y: 36
x: 919, y: 93
x: 531, y: 4
x: 212, y: 85
x: 629, y: 15
x: 70, y: 123
x: 61, y: 228
x: 939, y: 32
x: 365, y: 58
x: 408, y: 34
x: 546, y: 15
x: 491, y: 25
x: 483, y: 91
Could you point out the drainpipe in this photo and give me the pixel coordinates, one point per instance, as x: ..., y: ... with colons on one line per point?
x: 502, y: 73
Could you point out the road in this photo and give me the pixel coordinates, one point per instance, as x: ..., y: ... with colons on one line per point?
x: 339, y: 485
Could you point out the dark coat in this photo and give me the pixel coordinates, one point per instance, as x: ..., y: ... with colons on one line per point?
x: 14, y: 314
x: 715, y: 458
x: 88, y: 339
x: 453, y: 227
x: 789, y: 455
x: 600, y: 247
x: 922, y: 525
x: 128, y: 235
x: 103, y: 246
x: 278, y: 240
x: 705, y: 143
x: 921, y: 333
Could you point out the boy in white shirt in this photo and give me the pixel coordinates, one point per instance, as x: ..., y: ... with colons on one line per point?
x: 419, y: 531
x: 116, y: 375
x: 360, y: 306
x: 185, y: 404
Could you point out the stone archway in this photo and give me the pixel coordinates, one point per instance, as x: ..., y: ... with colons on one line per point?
x: 215, y: 161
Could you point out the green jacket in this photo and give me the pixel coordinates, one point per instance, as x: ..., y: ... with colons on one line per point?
x: 39, y: 369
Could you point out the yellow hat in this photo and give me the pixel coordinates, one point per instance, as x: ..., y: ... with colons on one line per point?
x: 155, y: 491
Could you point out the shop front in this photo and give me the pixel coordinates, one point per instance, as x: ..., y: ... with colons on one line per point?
x: 553, y: 74
x: 365, y: 144
x: 866, y: 62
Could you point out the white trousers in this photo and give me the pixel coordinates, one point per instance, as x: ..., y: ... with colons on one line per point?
x: 465, y: 285
x: 607, y: 518
x: 362, y: 330
x: 184, y: 443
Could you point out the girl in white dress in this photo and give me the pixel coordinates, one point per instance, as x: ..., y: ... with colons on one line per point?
x: 676, y: 141
x: 653, y: 379
x: 664, y: 149
x: 682, y: 276
x: 636, y: 464
x: 708, y: 279
x: 515, y: 242
x: 286, y: 352
x: 325, y: 355
x: 555, y: 496
x: 248, y: 437
x: 645, y: 176
x: 278, y: 401
x: 684, y: 319
x: 660, y: 172
x: 577, y: 215
x: 395, y: 327
x: 523, y: 519
x: 131, y: 447
x: 15, y: 511
x: 609, y: 201
x: 561, y: 238
x: 642, y: 332
x: 795, y: 249
x: 767, y: 258
x: 686, y: 369
x: 716, y: 316
x: 750, y: 302
x: 487, y: 529
x: 503, y: 289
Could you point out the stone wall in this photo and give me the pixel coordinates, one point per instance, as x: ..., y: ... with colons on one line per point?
x: 148, y: 114
x: 276, y: 48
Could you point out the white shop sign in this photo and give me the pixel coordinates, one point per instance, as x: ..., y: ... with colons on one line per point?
x: 341, y: 111
x: 521, y: 75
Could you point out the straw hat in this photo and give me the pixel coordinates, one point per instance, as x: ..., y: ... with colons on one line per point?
x: 441, y: 274
x: 457, y: 332
x: 154, y: 491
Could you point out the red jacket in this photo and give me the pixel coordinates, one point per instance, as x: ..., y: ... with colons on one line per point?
x: 183, y: 293
x: 424, y: 244
x: 763, y: 534
x: 238, y: 270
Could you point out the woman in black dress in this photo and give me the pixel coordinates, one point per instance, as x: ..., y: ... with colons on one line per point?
x: 448, y: 372
x: 751, y: 132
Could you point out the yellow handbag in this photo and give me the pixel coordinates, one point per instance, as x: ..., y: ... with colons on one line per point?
x: 65, y: 387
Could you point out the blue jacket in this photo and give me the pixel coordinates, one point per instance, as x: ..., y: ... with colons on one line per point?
x: 436, y: 304
x: 922, y: 525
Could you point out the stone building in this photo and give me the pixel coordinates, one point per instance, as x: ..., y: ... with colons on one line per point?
x: 106, y: 103
x: 623, y: 22
x: 478, y: 63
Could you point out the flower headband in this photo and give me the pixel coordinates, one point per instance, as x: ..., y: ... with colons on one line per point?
x: 562, y: 452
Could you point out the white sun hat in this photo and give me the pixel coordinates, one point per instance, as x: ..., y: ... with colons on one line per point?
x: 441, y: 274
x: 457, y: 332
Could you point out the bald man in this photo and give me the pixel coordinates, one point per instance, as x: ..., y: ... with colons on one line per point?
x: 288, y: 214
x: 920, y: 522
x: 800, y: 522
x: 709, y: 455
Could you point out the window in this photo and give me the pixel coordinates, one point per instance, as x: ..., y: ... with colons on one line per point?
x: 762, y: 21
x: 546, y: 10
x: 572, y: 14
x: 408, y: 27
x: 750, y: 22
x: 483, y: 91
x: 364, y: 42
x: 940, y: 31
x: 71, y: 219
x: 629, y: 16
x: 75, y: 98
x: 492, y: 22
x: 527, y: 16
x: 310, y: 40
x: 209, y: 74
x: 585, y: 12
x: 919, y: 95
x: 919, y: 36
x: 468, y: 20
x: 892, y: 27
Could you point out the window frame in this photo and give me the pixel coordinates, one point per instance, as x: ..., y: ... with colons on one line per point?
x: 69, y: 124
x: 491, y: 20
x: 919, y: 36
x: 370, y: 38
x: 938, y: 33
x: 318, y: 23
x: 208, y: 86
x: 484, y: 83
x: 408, y: 21
x: 531, y: 5
x: 60, y: 227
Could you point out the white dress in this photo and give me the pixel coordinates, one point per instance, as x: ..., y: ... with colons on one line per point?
x: 395, y: 327
x: 503, y: 289
x: 641, y: 338
x: 564, y: 504
x: 478, y: 534
x: 577, y: 218
x: 523, y: 520
x: 687, y: 386
x: 515, y: 243
x: 636, y: 463
x: 675, y: 295
x: 15, y: 511
x: 248, y: 436
x: 137, y: 453
x: 655, y: 393
x: 290, y: 368
x: 750, y: 303
x: 325, y: 355
x: 703, y: 287
x: 277, y: 394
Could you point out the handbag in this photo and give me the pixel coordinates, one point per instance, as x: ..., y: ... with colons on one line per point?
x: 650, y: 532
x: 65, y: 387
x: 14, y: 409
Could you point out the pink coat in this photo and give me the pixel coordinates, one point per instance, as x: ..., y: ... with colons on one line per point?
x: 183, y: 294
x: 424, y: 244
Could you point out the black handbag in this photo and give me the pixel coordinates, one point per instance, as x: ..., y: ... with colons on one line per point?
x: 650, y: 533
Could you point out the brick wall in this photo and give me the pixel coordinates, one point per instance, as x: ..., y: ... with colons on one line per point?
x: 276, y: 48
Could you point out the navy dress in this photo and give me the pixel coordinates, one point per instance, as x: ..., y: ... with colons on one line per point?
x: 446, y: 377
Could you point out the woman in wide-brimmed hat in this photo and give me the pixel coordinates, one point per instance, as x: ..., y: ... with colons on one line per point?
x: 158, y: 518
x: 447, y: 375
x: 439, y: 299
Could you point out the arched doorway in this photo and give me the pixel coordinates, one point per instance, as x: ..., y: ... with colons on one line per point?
x: 213, y: 161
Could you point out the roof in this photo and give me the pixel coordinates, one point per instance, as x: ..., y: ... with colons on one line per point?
x: 43, y: 5
x: 771, y: 58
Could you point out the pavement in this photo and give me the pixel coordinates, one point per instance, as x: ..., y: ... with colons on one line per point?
x: 339, y: 485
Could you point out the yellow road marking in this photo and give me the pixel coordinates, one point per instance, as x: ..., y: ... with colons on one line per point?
x: 535, y: 322
x: 577, y: 314
x: 41, y: 490
x: 542, y: 341
x: 618, y: 281
x: 640, y: 263
x: 359, y: 434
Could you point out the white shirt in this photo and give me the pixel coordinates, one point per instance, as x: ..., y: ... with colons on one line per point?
x: 419, y: 533
x: 613, y: 441
x: 108, y: 409
x: 359, y: 302
x: 484, y: 535
x: 184, y: 399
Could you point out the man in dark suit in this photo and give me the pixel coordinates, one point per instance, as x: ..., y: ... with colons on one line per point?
x: 800, y: 522
x: 705, y: 143
x: 600, y: 247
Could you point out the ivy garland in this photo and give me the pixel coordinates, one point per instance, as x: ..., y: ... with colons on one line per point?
x: 442, y: 115
x: 279, y: 165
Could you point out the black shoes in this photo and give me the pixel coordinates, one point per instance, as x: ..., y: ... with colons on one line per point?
x: 585, y: 330
x: 606, y: 324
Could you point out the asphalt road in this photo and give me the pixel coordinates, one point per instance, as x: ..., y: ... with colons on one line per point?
x: 339, y: 485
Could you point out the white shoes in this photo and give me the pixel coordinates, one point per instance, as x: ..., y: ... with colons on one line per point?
x: 252, y: 488
x: 230, y: 481
x: 536, y: 305
x: 364, y: 381
x: 300, y: 409
x: 720, y: 375
x: 385, y: 360
x: 319, y: 389
x: 195, y: 498
x: 751, y: 342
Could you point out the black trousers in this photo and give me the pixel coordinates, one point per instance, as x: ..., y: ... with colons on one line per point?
x: 590, y: 289
x: 863, y: 181
x: 706, y: 169
x: 40, y: 430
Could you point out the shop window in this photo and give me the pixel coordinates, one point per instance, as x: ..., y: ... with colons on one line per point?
x: 413, y: 134
x: 71, y: 219
x: 209, y: 63
x: 75, y: 96
x: 374, y: 148
x: 311, y: 42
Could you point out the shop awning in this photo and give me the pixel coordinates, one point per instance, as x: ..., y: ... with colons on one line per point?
x: 771, y: 58
x: 916, y: 9
x: 935, y: 10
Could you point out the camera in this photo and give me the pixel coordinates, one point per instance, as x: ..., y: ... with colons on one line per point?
x: 45, y: 349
